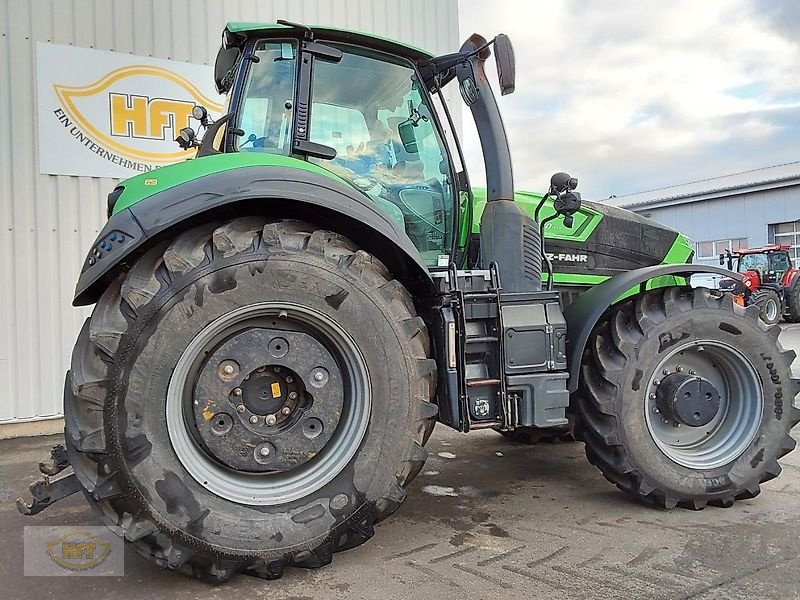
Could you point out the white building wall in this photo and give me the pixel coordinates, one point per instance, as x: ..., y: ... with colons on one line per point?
x: 47, y: 223
x: 746, y: 215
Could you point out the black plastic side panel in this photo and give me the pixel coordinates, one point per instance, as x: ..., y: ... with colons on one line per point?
x: 279, y: 191
x: 510, y: 238
x: 583, y: 314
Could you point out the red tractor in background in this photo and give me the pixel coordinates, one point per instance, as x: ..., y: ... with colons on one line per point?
x: 769, y: 281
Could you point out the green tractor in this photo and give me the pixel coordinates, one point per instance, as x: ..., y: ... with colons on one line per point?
x: 280, y: 322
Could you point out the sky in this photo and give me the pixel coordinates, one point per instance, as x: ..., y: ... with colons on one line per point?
x: 632, y: 96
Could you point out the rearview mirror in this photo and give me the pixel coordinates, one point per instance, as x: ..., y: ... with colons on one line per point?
x: 408, y: 137
x: 226, y: 59
x: 504, y: 56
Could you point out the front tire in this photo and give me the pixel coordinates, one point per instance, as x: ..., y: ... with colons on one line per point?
x: 250, y: 396
x: 769, y: 305
x: 655, y: 364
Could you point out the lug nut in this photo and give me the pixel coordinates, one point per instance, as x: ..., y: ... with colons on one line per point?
x: 665, y: 372
x: 292, y: 395
x: 228, y: 369
x: 692, y: 372
x: 240, y: 408
x: 679, y: 369
x: 318, y: 376
x: 656, y: 382
x: 289, y: 379
x: 677, y: 424
x: 237, y: 391
x: 264, y: 451
x: 286, y: 410
x: 652, y: 396
x: 276, y: 369
x: 254, y: 419
x: 271, y: 420
x: 655, y: 410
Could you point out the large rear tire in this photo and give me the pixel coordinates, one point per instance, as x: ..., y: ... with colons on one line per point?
x: 794, y: 304
x: 250, y: 396
x: 657, y: 362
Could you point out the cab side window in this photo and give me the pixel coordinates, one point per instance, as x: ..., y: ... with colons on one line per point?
x: 266, y: 117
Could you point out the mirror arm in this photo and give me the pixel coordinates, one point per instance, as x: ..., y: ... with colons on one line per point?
x: 444, y: 64
x: 207, y: 145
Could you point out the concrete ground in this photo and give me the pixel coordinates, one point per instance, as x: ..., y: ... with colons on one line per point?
x: 485, y: 519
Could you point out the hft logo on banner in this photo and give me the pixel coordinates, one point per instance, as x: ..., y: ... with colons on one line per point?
x: 105, y: 114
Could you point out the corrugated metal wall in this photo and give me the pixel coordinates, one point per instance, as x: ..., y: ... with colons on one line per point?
x: 745, y: 215
x: 47, y: 223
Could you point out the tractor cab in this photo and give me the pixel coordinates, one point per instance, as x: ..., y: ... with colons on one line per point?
x: 362, y: 115
x: 367, y: 110
x: 766, y: 265
x: 769, y: 280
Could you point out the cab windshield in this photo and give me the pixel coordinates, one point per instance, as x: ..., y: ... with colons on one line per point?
x: 774, y: 261
x: 373, y: 111
x: 755, y: 262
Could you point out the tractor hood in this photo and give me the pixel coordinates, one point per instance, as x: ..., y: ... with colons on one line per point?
x: 603, y: 241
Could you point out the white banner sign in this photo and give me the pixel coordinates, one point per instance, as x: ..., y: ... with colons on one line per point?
x: 107, y: 114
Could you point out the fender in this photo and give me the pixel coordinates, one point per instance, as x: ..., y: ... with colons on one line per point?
x: 269, y: 190
x: 583, y: 314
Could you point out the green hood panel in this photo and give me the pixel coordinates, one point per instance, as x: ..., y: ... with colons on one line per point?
x: 584, y: 224
x: 148, y: 184
x: 604, y: 240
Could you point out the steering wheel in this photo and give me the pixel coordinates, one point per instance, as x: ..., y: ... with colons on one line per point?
x: 257, y: 142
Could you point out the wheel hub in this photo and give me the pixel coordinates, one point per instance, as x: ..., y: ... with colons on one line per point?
x: 266, y: 400
x: 703, y: 404
x: 687, y: 399
x: 272, y: 390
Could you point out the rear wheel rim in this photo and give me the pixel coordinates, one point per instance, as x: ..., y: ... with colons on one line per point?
x: 736, y: 422
x: 272, y: 488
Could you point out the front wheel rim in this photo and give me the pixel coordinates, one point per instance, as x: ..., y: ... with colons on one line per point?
x: 735, y: 424
x: 272, y: 489
x: 771, y: 310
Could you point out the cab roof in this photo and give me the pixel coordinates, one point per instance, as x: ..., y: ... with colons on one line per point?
x: 268, y: 30
x: 763, y: 249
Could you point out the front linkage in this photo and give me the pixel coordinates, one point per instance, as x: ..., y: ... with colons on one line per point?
x: 47, y: 491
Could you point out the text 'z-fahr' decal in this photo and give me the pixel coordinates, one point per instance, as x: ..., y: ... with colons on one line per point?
x: 574, y: 258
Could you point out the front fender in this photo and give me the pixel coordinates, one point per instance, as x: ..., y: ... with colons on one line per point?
x: 283, y: 192
x: 583, y: 314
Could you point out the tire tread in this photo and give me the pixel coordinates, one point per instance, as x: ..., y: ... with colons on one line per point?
x: 601, y: 371
x: 89, y: 381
